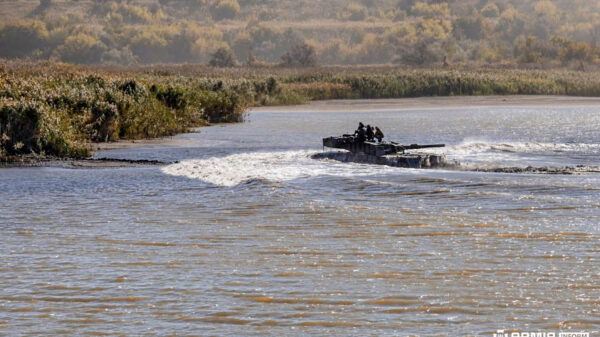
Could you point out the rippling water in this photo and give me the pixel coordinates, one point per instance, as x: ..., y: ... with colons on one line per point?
x: 249, y: 236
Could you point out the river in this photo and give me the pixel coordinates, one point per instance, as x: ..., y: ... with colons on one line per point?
x: 247, y: 235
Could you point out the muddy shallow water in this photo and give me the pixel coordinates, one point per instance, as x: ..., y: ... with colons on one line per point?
x: 247, y: 235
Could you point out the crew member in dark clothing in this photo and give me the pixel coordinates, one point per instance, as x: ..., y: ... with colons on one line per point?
x: 378, y: 134
x: 370, y: 133
x: 360, y: 132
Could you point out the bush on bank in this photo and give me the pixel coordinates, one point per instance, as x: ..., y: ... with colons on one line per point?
x: 58, y: 116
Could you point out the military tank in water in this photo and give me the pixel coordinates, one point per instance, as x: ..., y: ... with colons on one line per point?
x: 382, y: 153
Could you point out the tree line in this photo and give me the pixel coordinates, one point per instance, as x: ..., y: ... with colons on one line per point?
x: 224, y: 33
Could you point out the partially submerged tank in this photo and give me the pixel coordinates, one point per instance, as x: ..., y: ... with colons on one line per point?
x: 383, y: 153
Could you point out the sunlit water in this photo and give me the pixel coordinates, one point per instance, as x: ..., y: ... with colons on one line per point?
x: 247, y: 235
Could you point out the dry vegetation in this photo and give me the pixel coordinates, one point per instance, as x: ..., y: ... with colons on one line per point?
x: 81, y: 71
x: 516, y: 33
x: 55, y: 109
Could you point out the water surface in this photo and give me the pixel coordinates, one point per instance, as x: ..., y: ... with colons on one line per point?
x: 247, y: 235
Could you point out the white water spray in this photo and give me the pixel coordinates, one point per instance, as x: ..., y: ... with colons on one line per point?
x: 235, y: 169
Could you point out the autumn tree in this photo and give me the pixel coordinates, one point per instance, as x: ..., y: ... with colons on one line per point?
x: 20, y: 38
x: 301, y: 55
x: 222, y: 58
x: 225, y: 9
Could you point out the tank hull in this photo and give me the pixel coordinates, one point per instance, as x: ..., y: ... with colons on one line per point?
x: 407, y: 160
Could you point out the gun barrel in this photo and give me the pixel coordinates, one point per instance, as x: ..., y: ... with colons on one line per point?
x: 417, y: 146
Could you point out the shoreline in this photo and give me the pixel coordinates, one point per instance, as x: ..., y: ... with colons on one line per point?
x: 434, y: 102
x: 381, y: 104
x: 36, y: 162
x: 341, y: 105
x: 31, y: 162
x: 130, y: 144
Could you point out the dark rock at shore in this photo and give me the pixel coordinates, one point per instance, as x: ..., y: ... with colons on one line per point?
x: 579, y: 169
x: 37, y: 161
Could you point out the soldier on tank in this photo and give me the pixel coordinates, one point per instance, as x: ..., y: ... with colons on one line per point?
x: 378, y: 134
x: 370, y: 133
x: 360, y: 132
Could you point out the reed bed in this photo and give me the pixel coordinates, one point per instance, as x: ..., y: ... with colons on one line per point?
x: 55, y: 109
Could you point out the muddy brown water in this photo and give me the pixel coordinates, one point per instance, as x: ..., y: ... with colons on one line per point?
x: 247, y: 235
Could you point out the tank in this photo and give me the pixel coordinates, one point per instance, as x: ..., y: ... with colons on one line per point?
x: 350, y: 143
x: 383, y: 153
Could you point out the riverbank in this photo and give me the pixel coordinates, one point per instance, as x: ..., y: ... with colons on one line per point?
x: 366, y: 105
x: 49, y: 161
x: 61, y: 110
x: 360, y: 105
